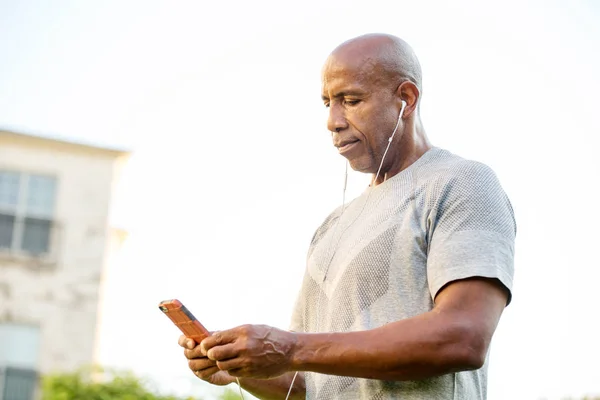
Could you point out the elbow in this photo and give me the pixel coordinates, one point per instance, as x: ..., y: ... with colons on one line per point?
x: 474, y: 358
x: 470, y: 349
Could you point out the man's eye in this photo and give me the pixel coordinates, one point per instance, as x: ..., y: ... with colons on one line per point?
x: 326, y: 105
x: 351, y: 102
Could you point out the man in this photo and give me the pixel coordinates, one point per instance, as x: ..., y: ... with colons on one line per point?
x: 404, y: 285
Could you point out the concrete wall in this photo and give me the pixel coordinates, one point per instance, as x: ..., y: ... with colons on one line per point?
x: 60, y: 294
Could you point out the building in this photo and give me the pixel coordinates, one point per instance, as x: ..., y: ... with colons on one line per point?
x: 55, y: 197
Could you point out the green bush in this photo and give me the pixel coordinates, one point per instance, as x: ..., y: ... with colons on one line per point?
x: 99, y: 384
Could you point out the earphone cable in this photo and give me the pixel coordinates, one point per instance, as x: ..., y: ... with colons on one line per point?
x: 339, y: 220
x: 240, y: 387
x: 390, y: 141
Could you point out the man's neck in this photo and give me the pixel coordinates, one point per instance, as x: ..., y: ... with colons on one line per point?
x: 412, y: 146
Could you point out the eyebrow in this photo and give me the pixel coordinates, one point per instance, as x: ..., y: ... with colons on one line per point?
x: 338, y: 95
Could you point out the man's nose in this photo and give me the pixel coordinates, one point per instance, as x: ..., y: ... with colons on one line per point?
x: 336, y: 120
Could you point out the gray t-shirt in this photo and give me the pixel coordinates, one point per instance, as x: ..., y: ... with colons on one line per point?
x: 442, y: 219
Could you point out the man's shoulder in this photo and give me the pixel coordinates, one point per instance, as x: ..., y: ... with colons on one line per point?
x: 441, y: 162
x: 443, y: 168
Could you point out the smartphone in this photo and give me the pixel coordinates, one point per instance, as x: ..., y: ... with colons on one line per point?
x: 184, y: 320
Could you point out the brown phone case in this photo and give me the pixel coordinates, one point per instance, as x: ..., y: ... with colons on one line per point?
x: 184, y: 320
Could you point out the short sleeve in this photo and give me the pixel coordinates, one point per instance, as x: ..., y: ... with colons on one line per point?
x: 471, y: 229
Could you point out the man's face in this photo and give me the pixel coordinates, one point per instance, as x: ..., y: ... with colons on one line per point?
x: 363, y: 111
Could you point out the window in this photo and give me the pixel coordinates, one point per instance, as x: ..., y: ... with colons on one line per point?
x: 19, y: 345
x: 26, y: 210
x: 19, y: 350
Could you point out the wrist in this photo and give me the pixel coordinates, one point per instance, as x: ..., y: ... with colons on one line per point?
x: 298, y: 355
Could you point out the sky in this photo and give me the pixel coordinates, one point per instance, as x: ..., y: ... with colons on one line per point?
x: 233, y: 168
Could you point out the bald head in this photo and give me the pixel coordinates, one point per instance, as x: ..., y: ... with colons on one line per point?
x: 372, y: 87
x: 388, y: 59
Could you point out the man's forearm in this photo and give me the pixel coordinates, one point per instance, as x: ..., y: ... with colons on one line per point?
x: 276, y: 388
x: 421, y: 347
x: 454, y: 336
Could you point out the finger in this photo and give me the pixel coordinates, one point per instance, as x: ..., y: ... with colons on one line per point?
x: 193, y: 353
x: 201, y: 364
x: 230, y: 365
x: 206, y: 373
x: 223, y: 352
x: 186, y: 342
x: 239, y: 372
x: 217, y: 339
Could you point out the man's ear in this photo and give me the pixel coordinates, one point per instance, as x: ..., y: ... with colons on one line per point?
x: 409, y: 92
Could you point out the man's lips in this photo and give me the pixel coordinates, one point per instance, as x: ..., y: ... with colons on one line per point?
x: 346, y: 145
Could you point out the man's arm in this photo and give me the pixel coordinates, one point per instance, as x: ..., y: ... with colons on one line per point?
x: 454, y: 336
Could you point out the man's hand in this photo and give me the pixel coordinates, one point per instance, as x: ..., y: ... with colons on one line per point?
x: 251, y: 351
x: 201, y: 366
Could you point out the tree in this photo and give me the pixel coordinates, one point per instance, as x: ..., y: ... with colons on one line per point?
x: 99, y: 384
x: 96, y: 383
x: 229, y: 394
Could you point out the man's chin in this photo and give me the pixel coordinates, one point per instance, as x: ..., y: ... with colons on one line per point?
x: 359, y: 165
